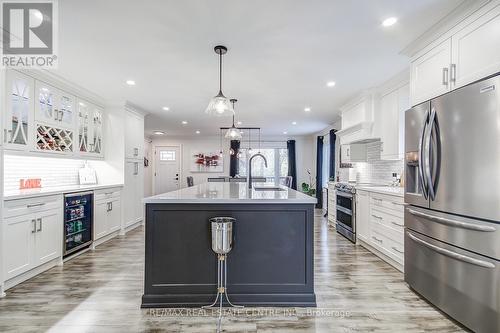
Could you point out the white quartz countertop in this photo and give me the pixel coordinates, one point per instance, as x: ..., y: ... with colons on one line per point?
x: 225, y: 193
x: 39, y: 192
x: 389, y: 190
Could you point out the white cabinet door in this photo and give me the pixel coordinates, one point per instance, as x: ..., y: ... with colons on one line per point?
x: 476, y: 49
x: 114, y: 215
x: 353, y: 153
x: 134, y: 135
x: 100, y: 219
x: 430, y: 73
x: 363, y: 216
x: 129, y: 195
x: 45, y: 104
x: 18, y: 122
x: 18, y: 236
x: 139, y: 191
x: 48, y: 236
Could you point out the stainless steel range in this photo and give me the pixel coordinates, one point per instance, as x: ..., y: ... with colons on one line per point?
x: 346, y: 210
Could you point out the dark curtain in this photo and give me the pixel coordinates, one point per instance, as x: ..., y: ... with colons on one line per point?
x: 319, y: 174
x: 233, y: 162
x: 292, y: 166
x: 333, y: 138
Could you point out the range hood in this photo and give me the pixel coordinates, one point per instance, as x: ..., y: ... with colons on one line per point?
x: 358, y: 133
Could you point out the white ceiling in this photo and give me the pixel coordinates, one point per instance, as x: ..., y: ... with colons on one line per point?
x: 281, y: 54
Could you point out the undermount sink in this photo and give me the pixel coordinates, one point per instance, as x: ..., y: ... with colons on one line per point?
x: 268, y: 188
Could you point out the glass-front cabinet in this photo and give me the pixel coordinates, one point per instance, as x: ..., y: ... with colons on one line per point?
x: 90, y: 128
x: 53, y: 106
x: 18, y: 110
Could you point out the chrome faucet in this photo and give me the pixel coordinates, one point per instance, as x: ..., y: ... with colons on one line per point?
x: 250, y: 168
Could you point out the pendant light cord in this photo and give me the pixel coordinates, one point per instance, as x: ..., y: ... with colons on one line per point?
x: 220, y: 71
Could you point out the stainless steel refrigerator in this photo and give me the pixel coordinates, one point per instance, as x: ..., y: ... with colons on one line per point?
x: 452, y: 191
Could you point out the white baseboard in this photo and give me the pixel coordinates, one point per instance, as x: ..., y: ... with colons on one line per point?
x: 105, y: 238
x: 30, y: 274
x: 131, y: 227
x: 2, y: 292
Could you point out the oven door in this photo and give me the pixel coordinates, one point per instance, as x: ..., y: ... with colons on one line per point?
x: 345, y: 201
x: 345, y: 218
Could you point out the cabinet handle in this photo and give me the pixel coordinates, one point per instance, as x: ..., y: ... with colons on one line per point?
x: 453, y: 75
x: 136, y: 168
x: 377, y: 199
x: 398, y: 251
x: 35, y: 205
x: 377, y: 217
x: 397, y: 203
x: 398, y: 224
x: 136, y: 151
x: 5, y: 131
x: 33, y: 228
x: 56, y: 115
x: 7, y: 134
x: 377, y: 239
x: 39, y: 220
x: 348, y: 151
x: 445, y: 76
x: 61, y: 115
x: 110, y: 206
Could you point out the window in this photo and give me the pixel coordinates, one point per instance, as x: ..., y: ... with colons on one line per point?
x: 277, y: 164
x: 325, y: 168
x: 167, y: 155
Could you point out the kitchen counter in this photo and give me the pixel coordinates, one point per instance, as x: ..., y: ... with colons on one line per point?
x: 225, y: 193
x: 272, y: 259
x: 389, y: 190
x: 39, y: 192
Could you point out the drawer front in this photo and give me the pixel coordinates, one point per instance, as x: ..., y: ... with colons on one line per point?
x: 393, y: 222
x: 394, y: 205
x: 462, y: 284
x: 387, y: 246
x: 106, y: 194
x: 32, y: 205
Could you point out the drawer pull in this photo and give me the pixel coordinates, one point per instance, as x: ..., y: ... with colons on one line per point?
x: 377, y: 239
x: 398, y: 224
x: 33, y: 228
x: 377, y: 217
x: 35, y: 205
x: 452, y: 254
x: 39, y: 220
x: 108, y: 193
x: 453, y: 223
x: 397, y: 203
x: 377, y: 199
x: 396, y: 249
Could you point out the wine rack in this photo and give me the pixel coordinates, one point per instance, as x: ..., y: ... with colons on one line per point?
x: 54, y: 139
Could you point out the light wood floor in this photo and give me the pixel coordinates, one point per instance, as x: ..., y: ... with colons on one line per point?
x: 100, y: 291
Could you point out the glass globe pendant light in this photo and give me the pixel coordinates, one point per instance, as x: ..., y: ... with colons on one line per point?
x: 220, y: 105
x: 233, y: 133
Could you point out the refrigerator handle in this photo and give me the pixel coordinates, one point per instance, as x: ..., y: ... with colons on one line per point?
x: 421, y: 156
x: 453, y: 223
x: 428, y: 141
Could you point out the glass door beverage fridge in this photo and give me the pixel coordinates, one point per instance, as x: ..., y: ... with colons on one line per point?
x: 78, y: 221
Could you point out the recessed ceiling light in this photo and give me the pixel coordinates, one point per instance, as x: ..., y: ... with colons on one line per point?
x: 389, y: 21
x: 165, y: 108
x: 330, y: 84
x: 197, y: 132
x: 307, y: 109
x: 184, y: 122
x: 158, y: 133
x: 130, y: 82
x: 294, y: 123
x: 285, y: 132
x: 239, y: 123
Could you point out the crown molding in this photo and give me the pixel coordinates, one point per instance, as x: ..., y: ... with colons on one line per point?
x: 452, y: 19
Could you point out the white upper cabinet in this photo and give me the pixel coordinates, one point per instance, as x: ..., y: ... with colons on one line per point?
x: 430, y: 73
x: 468, y: 52
x: 18, y: 122
x: 390, y: 120
x: 90, y: 126
x: 53, y: 106
x: 134, y: 135
x: 476, y: 50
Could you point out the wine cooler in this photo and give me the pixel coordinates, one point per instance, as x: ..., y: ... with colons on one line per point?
x: 78, y: 221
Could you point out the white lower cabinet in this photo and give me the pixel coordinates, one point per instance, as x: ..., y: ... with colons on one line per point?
x: 133, y: 192
x: 380, y: 225
x: 332, y: 203
x: 107, y: 212
x: 362, y: 215
x: 30, y: 239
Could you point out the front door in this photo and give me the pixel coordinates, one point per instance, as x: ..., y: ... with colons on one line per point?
x: 167, y: 162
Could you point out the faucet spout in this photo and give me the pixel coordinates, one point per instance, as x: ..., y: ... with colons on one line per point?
x: 250, y: 167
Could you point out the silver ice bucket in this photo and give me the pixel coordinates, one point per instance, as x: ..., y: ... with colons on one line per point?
x: 222, y: 234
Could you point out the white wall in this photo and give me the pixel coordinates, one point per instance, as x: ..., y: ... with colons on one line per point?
x: 148, y: 170
x: 189, y: 145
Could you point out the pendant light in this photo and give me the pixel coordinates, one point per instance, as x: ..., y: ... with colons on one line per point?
x: 220, y: 105
x: 233, y: 133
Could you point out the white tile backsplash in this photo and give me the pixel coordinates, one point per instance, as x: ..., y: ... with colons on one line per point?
x: 53, y: 171
x: 375, y: 170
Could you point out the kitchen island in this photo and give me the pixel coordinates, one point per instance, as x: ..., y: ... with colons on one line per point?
x: 271, y: 263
